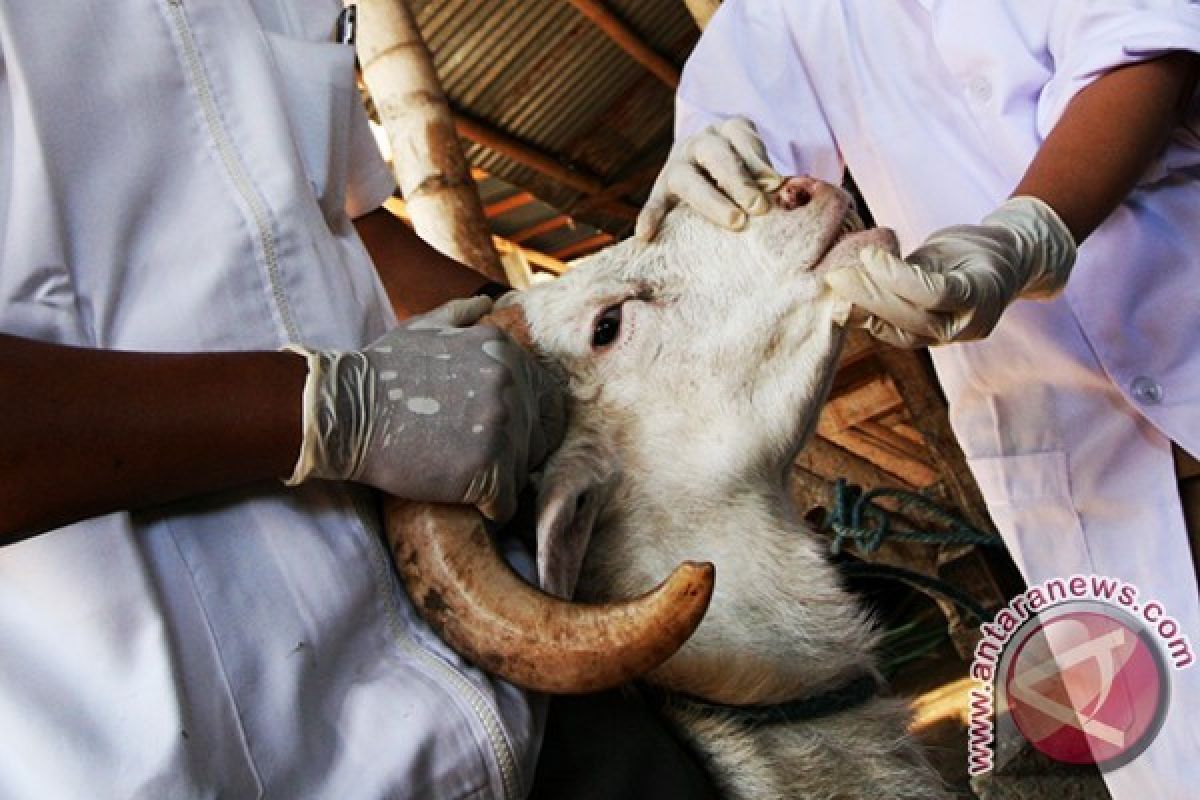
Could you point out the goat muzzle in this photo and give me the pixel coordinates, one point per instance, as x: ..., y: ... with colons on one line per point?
x: 463, y: 588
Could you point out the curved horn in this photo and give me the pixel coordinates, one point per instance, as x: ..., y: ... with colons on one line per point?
x: 464, y: 589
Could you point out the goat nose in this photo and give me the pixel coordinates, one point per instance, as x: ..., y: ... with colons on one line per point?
x: 795, y: 192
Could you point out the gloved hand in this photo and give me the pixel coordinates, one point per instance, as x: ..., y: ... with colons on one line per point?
x: 439, y: 409
x: 722, y: 171
x: 955, y: 286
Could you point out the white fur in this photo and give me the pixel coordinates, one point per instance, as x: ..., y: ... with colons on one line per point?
x: 725, y: 355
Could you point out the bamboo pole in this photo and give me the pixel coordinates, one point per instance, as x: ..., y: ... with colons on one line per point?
x: 427, y: 157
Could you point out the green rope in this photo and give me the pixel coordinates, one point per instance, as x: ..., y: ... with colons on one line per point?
x: 856, y: 517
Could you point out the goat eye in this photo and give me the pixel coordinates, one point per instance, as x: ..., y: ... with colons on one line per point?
x: 608, y: 325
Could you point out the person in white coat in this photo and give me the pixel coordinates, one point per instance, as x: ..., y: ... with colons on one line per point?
x: 178, y: 182
x: 1011, y: 145
x: 189, y: 191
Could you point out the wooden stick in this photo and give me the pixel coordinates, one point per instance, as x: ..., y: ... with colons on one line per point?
x: 702, y: 10
x: 510, y: 203
x: 509, y: 146
x: 583, y: 246
x: 628, y: 40
x: 535, y: 257
x: 534, y: 231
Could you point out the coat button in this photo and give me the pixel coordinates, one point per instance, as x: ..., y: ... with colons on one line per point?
x: 980, y: 88
x: 1146, y: 391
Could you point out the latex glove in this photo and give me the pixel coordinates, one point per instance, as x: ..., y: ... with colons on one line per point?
x: 439, y: 410
x: 723, y: 172
x: 955, y: 286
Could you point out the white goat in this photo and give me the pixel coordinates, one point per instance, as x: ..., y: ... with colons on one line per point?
x: 698, y: 365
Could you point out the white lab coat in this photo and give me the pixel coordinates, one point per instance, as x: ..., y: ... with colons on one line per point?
x: 1067, y: 410
x: 177, y: 175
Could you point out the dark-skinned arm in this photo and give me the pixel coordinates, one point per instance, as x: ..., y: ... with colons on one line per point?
x: 956, y: 286
x: 417, y: 277
x: 1107, y: 137
x: 88, y: 432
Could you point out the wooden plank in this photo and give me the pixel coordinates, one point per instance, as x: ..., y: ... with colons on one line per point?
x: 509, y: 146
x: 638, y: 180
x: 545, y: 262
x: 927, y: 412
x: 510, y: 203
x: 966, y: 567
x: 901, y: 425
x: 517, y: 267
x: 858, y: 345
x: 908, y: 432
x: 890, y: 438
x: 823, y: 457
x: 534, y: 231
x: 628, y: 40
x: 702, y: 10
x: 808, y: 490
x: 859, y: 403
x: 899, y: 464
x: 583, y: 246
x: 854, y: 373
x: 570, y: 176
x: 502, y: 245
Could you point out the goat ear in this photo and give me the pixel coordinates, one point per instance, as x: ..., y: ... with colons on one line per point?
x: 574, y: 486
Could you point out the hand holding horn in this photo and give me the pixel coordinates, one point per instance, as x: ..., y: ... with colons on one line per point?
x: 415, y: 414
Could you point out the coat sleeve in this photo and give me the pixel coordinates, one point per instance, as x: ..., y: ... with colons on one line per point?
x: 748, y: 63
x: 1088, y: 38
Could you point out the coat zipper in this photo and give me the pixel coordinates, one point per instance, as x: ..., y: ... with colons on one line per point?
x: 487, y: 716
x: 233, y: 165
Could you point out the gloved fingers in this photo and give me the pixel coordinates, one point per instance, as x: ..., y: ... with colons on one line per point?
x: 551, y: 422
x: 873, y: 299
x: 744, y: 138
x: 931, y: 286
x: 460, y: 313
x: 970, y: 325
x: 725, y: 167
x: 494, y: 493
x: 963, y: 326
x: 694, y: 187
x: 536, y: 410
x: 504, y: 507
x: 888, y: 333
x: 534, y: 403
x: 652, y: 214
